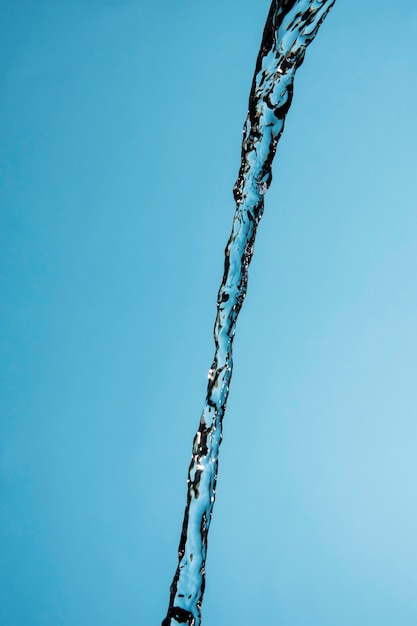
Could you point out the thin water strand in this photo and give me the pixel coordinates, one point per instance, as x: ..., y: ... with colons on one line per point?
x: 290, y: 27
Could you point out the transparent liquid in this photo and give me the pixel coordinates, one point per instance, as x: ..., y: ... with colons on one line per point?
x: 290, y: 27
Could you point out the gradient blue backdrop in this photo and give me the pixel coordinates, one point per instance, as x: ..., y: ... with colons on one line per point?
x: 120, y: 132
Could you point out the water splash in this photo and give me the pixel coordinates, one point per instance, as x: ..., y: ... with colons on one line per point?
x: 290, y: 27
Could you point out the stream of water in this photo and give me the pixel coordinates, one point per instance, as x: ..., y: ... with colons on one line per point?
x: 291, y: 25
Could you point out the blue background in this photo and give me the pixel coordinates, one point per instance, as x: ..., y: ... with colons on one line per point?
x: 120, y: 132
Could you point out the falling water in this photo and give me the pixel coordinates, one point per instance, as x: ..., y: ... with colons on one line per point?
x: 290, y: 27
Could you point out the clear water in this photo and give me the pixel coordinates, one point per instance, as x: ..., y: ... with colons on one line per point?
x: 291, y: 25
